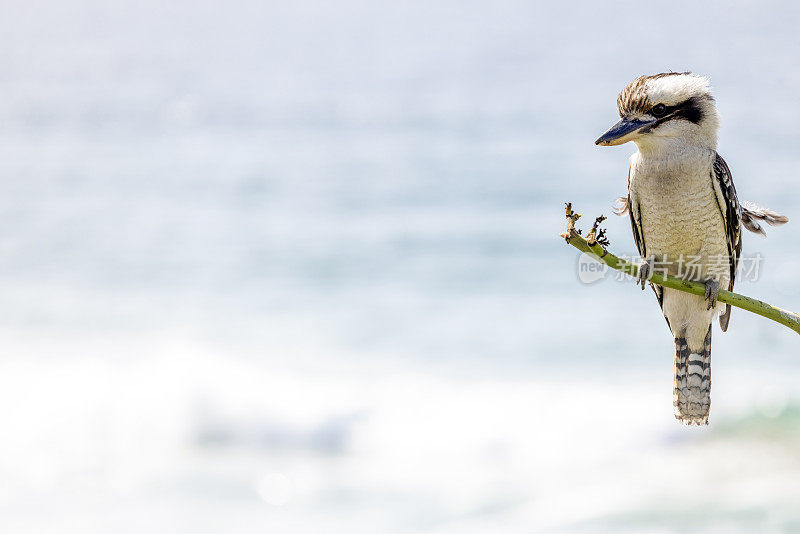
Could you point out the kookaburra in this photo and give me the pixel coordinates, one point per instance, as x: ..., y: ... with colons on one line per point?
x: 683, y: 207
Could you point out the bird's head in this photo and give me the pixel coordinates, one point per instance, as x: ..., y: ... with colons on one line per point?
x: 661, y: 110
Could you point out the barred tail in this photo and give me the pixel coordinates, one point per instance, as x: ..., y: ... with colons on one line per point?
x: 692, y: 391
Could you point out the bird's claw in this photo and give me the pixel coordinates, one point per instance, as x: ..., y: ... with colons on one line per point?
x: 644, y: 273
x: 712, y: 292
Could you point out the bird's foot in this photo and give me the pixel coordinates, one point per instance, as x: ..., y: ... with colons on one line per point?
x: 712, y: 292
x: 645, y: 272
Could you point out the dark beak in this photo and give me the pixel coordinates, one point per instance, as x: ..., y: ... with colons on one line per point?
x: 622, y: 132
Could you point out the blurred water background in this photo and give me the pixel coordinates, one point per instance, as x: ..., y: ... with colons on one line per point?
x: 295, y: 267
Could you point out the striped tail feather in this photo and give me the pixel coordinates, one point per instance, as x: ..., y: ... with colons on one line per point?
x: 692, y: 390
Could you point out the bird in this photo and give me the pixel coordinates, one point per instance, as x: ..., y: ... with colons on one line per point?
x: 682, y: 204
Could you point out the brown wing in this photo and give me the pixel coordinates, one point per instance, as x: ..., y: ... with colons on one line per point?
x: 732, y: 215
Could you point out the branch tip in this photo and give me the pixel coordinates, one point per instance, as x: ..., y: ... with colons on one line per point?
x: 571, y: 218
x: 597, y: 235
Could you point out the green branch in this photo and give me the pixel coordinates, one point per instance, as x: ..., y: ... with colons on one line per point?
x: 593, y: 246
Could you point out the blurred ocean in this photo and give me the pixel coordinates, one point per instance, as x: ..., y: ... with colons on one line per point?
x: 294, y: 267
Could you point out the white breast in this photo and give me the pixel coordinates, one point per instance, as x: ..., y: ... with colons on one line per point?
x: 680, y: 214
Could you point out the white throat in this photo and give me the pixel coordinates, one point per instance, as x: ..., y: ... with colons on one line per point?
x: 663, y: 147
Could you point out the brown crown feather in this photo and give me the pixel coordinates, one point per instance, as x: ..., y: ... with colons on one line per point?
x: 633, y: 99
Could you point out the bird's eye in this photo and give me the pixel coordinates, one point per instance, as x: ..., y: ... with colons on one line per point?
x: 658, y: 110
